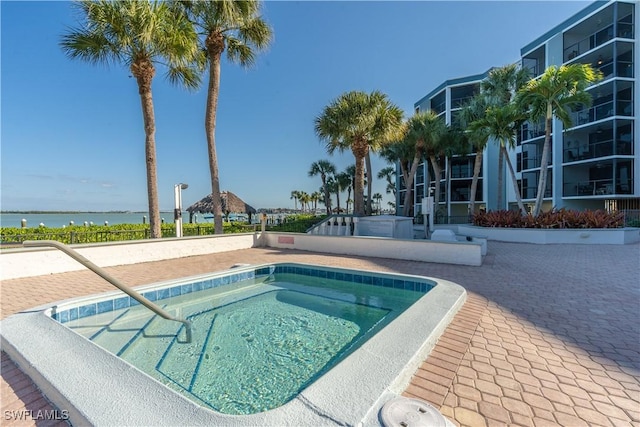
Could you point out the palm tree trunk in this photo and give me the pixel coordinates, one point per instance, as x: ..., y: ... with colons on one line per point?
x: 436, y: 193
x: 359, y: 149
x: 544, y: 161
x: 215, y: 53
x: 338, y: 199
x: 327, y: 195
x: 514, y: 180
x: 500, y: 179
x: 477, y: 167
x: 144, y: 75
x: 408, y: 180
x: 369, y: 182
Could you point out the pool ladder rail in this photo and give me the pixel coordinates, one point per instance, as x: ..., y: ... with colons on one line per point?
x: 115, y: 282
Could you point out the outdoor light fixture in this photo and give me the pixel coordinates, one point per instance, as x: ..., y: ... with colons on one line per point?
x: 177, y: 213
x: 600, y: 60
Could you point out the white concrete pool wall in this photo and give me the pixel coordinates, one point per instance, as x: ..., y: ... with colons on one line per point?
x: 17, y: 263
x: 97, y: 388
x: 591, y: 236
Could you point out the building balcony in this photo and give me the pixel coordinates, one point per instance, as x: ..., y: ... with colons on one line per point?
x: 605, y: 177
x: 597, y: 150
x: 602, y: 111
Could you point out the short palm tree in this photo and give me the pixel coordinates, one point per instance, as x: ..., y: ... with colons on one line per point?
x: 351, y: 172
x: 552, y: 94
x: 237, y: 27
x: 403, y: 153
x: 304, y: 198
x: 388, y: 174
x: 138, y: 34
x: 502, y: 123
x: 295, y: 195
x: 342, y: 182
x: 378, y: 198
x: 324, y: 168
x: 360, y: 122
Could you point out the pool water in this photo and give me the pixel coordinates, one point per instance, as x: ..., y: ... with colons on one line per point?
x: 256, y: 343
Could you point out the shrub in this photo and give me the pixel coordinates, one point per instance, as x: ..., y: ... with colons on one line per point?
x: 561, y: 218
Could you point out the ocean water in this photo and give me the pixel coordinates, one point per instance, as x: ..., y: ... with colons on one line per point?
x: 56, y: 220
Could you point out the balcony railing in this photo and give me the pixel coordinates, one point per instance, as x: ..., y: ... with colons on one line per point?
x: 595, y: 187
x: 534, y: 162
x: 592, y: 41
x: 602, y: 111
x: 531, y: 192
x: 598, y: 149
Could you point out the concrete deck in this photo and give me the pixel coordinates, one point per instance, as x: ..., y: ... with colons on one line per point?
x: 550, y: 334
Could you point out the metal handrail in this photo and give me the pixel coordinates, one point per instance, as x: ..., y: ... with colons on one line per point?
x: 115, y: 282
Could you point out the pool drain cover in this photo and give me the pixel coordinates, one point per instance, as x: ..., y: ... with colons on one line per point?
x: 406, y: 412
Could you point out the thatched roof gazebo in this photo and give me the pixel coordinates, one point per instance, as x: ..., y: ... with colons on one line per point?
x: 230, y: 204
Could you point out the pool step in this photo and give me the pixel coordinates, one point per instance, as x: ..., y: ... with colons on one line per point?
x: 123, y: 331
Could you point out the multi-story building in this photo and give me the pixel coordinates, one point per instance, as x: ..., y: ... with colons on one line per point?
x: 595, y: 163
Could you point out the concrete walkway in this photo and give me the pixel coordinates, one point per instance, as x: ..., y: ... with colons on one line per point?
x: 550, y: 334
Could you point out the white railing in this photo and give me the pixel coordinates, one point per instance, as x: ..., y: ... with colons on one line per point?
x: 335, y: 225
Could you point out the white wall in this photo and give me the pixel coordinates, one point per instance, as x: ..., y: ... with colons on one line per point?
x: 600, y: 236
x: 462, y: 253
x: 16, y: 263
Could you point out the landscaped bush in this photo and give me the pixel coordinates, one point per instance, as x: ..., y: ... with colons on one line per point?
x: 561, y: 218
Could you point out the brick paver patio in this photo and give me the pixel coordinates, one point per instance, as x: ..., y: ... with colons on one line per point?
x: 549, y: 335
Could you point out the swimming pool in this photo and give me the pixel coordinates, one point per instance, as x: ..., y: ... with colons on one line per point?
x: 339, y: 340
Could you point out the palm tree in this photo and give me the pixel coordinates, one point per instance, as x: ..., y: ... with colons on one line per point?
x: 315, y: 197
x: 323, y: 168
x: 425, y: 131
x: 502, y: 124
x: 351, y: 172
x: 454, y: 142
x: 139, y: 35
x: 237, y: 27
x: 343, y: 182
x: 402, y: 152
x: 378, y: 198
x: 360, y: 122
x: 552, y: 94
x: 304, y: 198
x: 474, y: 110
x: 295, y: 195
x: 388, y: 174
x: 499, y: 90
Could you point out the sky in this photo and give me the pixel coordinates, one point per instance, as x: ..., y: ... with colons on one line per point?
x: 72, y: 135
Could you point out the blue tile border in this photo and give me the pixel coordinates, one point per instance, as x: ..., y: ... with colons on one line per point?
x: 373, y: 279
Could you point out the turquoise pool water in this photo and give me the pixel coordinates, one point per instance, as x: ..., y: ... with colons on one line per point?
x: 260, y: 335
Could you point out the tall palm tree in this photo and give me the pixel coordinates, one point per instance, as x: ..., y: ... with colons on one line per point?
x: 454, y: 142
x: 324, y: 168
x: 237, y: 27
x: 388, y: 174
x: 502, y: 124
x: 475, y: 110
x: 360, y: 122
x: 499, y: 89
x: 342, y: 181
x: 556, y: 91
x: 138, y: 34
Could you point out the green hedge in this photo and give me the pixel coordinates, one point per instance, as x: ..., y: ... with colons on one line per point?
x: 13, y: 236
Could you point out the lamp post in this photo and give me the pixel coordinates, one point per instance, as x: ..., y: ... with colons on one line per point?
x: 177, y: 213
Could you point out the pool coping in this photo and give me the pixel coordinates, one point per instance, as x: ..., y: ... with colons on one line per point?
x: 60, y: 362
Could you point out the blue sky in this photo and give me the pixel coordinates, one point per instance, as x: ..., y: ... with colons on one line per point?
x: 72, y: 135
